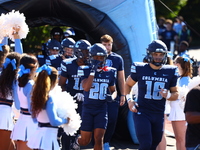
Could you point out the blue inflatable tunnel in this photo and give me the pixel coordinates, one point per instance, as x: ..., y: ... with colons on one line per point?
x: 72, y: 13
x: 131, y: 23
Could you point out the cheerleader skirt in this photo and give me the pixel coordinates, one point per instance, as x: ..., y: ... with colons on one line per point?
x: 24, y: 128
x: 44, y: 138
x: 6, y: 118
x: 176, y: 113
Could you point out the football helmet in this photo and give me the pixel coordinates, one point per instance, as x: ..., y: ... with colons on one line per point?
x: 98, y: 49
x: 69, y: 32
x: 157, y: 46
x: 53, y: 44
x: 81, y: 50
x: 79, y: 46
x: 68, y: 42
x: 56, y: 31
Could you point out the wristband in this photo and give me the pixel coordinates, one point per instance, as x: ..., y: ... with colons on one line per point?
x: 92, y: 73
x: 123, y: 95
x: 129, y: 97
x: 168, y: 95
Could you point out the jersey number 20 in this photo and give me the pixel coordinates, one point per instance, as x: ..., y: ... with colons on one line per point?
x: 98, y: 91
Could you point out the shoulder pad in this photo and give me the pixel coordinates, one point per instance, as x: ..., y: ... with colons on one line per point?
x: 48, y: 62
x: 68, y: 61
x: 136, y: 64
x: 63, y: 67
x: 172, y: 67
x: 40, y: 56
x: 169, y: 66
x: 115, y: 54
x: 52, y: 57
x: 84, y: 67
x: 139, y: 64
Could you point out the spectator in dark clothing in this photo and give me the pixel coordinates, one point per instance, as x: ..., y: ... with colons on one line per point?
x: 192, y: 113
x: 161, y: 25
x: 169, y: 35
x: 185, y: 34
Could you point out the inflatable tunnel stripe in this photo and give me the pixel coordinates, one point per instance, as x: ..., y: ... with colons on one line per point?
x: 131, y: 127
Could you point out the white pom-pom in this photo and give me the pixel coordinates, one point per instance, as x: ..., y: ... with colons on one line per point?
x: 182, y: 95
x: 13, y: 20
x: 66, y: 109
x: 2, y: 27
x: 183, y: 92
x: 194, y: 82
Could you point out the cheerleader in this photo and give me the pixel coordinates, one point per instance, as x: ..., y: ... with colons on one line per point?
x: 7, y: 88
x: 45, y: 109
x: 177, y: 116
x: 25, y: 125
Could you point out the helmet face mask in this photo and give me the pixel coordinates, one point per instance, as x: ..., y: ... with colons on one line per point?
x: 157, y: 53
x: 100, y: 59
x: 158, y: 59
x: 81, y: 50
x: 68, y: 51
x: 56, y: 33
x: 53, y: 47
x: 98, y: 52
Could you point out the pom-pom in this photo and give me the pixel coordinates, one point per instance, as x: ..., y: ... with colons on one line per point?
x: 2, y: 25
x: 194, y: 82
x: 183, y: 91
x: 66, y: 109
x: 14, y: 20
x: 182, y: 95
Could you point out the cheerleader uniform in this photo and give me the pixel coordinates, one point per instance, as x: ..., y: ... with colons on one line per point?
x: 6, y: 119
x: 25, y: 125
x: 45, y: 137
x: 176, y: 113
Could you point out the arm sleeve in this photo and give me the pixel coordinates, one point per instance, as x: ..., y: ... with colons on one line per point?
x: 121, y: 66
x: 173, y: 82
x: 112, y: 83
x: 64, y: 70
x: 15, y: 96
x: 27, y: 93
x: 51, y: 112
x: 133, y: 74
x: 18, y: 46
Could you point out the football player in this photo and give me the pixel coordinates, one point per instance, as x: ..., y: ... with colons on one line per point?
x: 68, y: 47
x: 70, y: 80
x: 116, y: 61
x: 97, y: 80
x: 156, y: 83
x: 54, y: 58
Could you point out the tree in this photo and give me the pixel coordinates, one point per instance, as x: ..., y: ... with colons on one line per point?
x: 192, y: 17
x: 174, y: 5
x: 37, y: 36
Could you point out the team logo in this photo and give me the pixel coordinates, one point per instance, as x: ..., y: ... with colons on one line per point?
x: 109, y: 63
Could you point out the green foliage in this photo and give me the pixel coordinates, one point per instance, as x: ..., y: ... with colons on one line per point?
x: 37, y: 36
x: 189, y: 9
x: 169, y: 8
x: 191, y: 16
